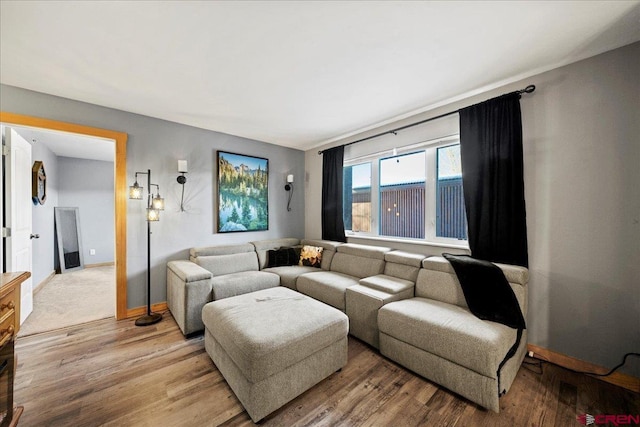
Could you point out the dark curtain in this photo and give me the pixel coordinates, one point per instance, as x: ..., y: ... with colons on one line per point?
x: 492, y: 180
x: 332, y: 175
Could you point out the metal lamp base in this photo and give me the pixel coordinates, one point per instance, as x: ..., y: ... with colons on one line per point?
x: 149, y: 319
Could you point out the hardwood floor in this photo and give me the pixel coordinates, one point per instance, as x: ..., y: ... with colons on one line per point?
x: 113, y: 373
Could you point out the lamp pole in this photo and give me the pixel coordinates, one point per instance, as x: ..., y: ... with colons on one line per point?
x: 150, y: 318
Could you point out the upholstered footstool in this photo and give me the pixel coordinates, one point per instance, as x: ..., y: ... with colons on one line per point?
x: 272, y: 345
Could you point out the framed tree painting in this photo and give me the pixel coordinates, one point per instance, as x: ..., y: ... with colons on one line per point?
x: 243, y: 193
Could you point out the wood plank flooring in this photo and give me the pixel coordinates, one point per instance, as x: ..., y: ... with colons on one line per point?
x: 112, y: 373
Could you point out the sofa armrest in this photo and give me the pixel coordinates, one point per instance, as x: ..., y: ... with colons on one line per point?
x: 189, y: 271
x: 388, y: 284
x: 188, y: 290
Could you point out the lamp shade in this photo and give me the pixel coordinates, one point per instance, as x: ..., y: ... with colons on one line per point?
x: 182, y: 166
x: 135, y: 191
x: 158, y: 202
x: 153, y: 214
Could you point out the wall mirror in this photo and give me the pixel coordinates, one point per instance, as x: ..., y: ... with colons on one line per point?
x: 67, y: 223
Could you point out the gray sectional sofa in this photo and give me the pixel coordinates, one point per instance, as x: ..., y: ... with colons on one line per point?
x: 409, y: 306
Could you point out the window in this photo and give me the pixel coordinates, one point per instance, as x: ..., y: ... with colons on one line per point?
x: 451, y: 219
x: 402, y: 188
x: 415, y: 193
x: 357, y: 197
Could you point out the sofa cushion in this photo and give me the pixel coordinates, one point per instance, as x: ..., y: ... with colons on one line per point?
x: 262, y: 246
x: 514, y: 273
x: 389, y: 284
x: 328, y: 252
x: 404, y: 265
x: 366, y: 251
x: 326, y: 286
x: 401, y: 271
x: 221, y: 250
x: 289, y: 274
x: 243, y: 282
x: 356, y: 266
x: 487, y: 292
x: 444, y: 285
x: 267, y: 331
x: 405, y: 258
x: 448, y: 331
x: 281, y: 257
x: 311, y: 256
x: 440, y: 286
x: 220, y: 265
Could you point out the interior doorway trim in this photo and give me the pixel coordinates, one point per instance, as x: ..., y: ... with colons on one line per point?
x: 120, y: 139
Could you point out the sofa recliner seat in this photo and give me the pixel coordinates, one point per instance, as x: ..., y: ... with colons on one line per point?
x: 435, y: 335
x: 274, y: 344
x: 449, y: 332
x: 216, y: 272
x: 212, y: 273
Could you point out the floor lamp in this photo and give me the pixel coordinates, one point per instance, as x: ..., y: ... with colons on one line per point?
x: 155, y: 204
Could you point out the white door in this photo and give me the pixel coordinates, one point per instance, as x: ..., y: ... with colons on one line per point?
x: 18, y: 209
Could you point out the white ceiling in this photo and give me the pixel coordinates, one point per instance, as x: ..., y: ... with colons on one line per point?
x: 65, y: 144
x: 295, y: 73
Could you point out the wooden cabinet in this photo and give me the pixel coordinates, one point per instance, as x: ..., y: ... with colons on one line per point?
x: 9, y: 327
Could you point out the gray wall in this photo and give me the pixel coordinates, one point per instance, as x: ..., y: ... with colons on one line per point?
x: 157, y: 145
x: 89, y: 186
x: 582, y: 170
x: 42, y: 217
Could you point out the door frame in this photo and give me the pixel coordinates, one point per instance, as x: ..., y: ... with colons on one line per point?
x: 120, y: 139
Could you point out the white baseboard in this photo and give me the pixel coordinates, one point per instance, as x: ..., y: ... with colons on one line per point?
x: 43, y: 282
x: 100, y: 264
x: 623, y: 380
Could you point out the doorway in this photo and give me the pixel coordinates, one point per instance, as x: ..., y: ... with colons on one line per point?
x: 73, y: 256
x: 120, y: 184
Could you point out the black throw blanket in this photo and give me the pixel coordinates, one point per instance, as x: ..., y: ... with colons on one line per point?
x: 489, y: 296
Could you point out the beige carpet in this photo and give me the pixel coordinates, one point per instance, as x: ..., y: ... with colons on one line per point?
x: 71, y: 299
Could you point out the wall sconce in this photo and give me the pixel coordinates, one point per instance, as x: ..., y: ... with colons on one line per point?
x: 289, y: 187
x: 154, y: 205
x: 182, y: 169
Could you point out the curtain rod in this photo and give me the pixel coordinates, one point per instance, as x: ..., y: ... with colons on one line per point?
x: 527, y: 89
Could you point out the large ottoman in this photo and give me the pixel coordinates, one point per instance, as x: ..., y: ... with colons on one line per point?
x: 274, y: 344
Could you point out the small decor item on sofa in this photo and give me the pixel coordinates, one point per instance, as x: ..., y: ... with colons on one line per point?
x: 311, y: 256
x: 282, y: 257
